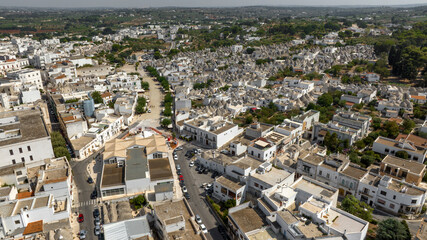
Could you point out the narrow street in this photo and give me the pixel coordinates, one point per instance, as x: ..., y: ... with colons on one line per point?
x: 193, y: 182
x: 85, y: 204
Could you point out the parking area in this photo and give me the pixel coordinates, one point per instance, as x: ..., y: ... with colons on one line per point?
x: 193, y: 182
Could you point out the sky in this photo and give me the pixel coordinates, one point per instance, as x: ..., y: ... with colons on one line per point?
x: 195, y: 3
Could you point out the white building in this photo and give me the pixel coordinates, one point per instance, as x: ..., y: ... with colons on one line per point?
x: 28, y: 77
x: 213, y: 132
x: 12, y: 65
x: 225, y: 188
x: 372, y: 77
x: 30, y: 95
x: 30, y: 213
x: 388, y: 146
x: 262, y: 149
x: 392, y: 195
x: 24, y: 138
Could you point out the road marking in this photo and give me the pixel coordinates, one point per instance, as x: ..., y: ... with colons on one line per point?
x: 86, y: 203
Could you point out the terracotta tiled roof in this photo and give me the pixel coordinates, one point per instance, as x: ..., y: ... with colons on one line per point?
x: 418, y: 97
x: 34, y: 227
x: 23, y: 195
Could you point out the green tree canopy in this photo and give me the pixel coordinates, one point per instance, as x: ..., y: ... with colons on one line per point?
x: 325, y: 100
x: 97, y: 97
x: 360, y: 209
x: 391, y: 229
x: 166, y: 122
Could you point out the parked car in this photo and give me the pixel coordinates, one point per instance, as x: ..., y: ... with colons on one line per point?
x: 204, y: 185
x: 205, y: 171
x: 191, y: 164
x: 93, y: 195
x: 97, y: 230
x: 178, y: 148
x: 203, y: 228
x: 90, y: 180
x: 81, y: 218
x: 175, y: 157
x: 97, y: 221
x: 178, y: 167
x: 181, y: 178
x: 209, y: 186
x: 178, y: 172
x: 96, y: 213
x: 187, y: 195
x: 184, y: 189
x: 198, y: 219
x: 82, y: 234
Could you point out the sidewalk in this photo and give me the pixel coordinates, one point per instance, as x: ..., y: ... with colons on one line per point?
x: 177, y: 188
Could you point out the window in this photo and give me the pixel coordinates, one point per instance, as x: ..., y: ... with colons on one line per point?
x: 415, y: 158
x: 31, y: 157
x: 256, y: 184
x: 306, y: 168
x: 22, y: 159
x: 327, y: 175
x: 19, y: 173
x: 380, y: 201
x: 13, y: 161
x: 391, y: 205
x: 28, y: 148
x: 20, y: 150
x: 386, y: 150
x: 383, y: 193
x: 17, y: 222
x: 320, y: 173
x: 394, y: 197
x: 414, y: 201
x: 11, y: 152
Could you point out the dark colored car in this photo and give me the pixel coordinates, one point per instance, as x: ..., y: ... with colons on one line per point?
x: 94, y: 194
x: 187, y: 195
x: 178, y: 172
x: 90, y: 180
x: 81, y: 218
x: 96, y: 213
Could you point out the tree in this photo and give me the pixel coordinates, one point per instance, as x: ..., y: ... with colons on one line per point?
x: 250, y: 50
x: 331, y: 142
x: 249, y: 119
x: 62, y: 152
x: 408, y: 125
x: 391, y: 129
x: 358, y: 208
x: 140, y: 105
x: 96, y: 96
x: 166, y: 122
x: 325, y: 100
x: 369, y: 157
x: 360, y: 144
x: 376, y: 123
x: 138, y: 201
x: 391, y: 229
x: 402, y: 154
x: 230, y: 203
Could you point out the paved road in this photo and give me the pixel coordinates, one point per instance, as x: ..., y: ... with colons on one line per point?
x: 85, y: 204
x: 413, y: 225
x: 193, y: 181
